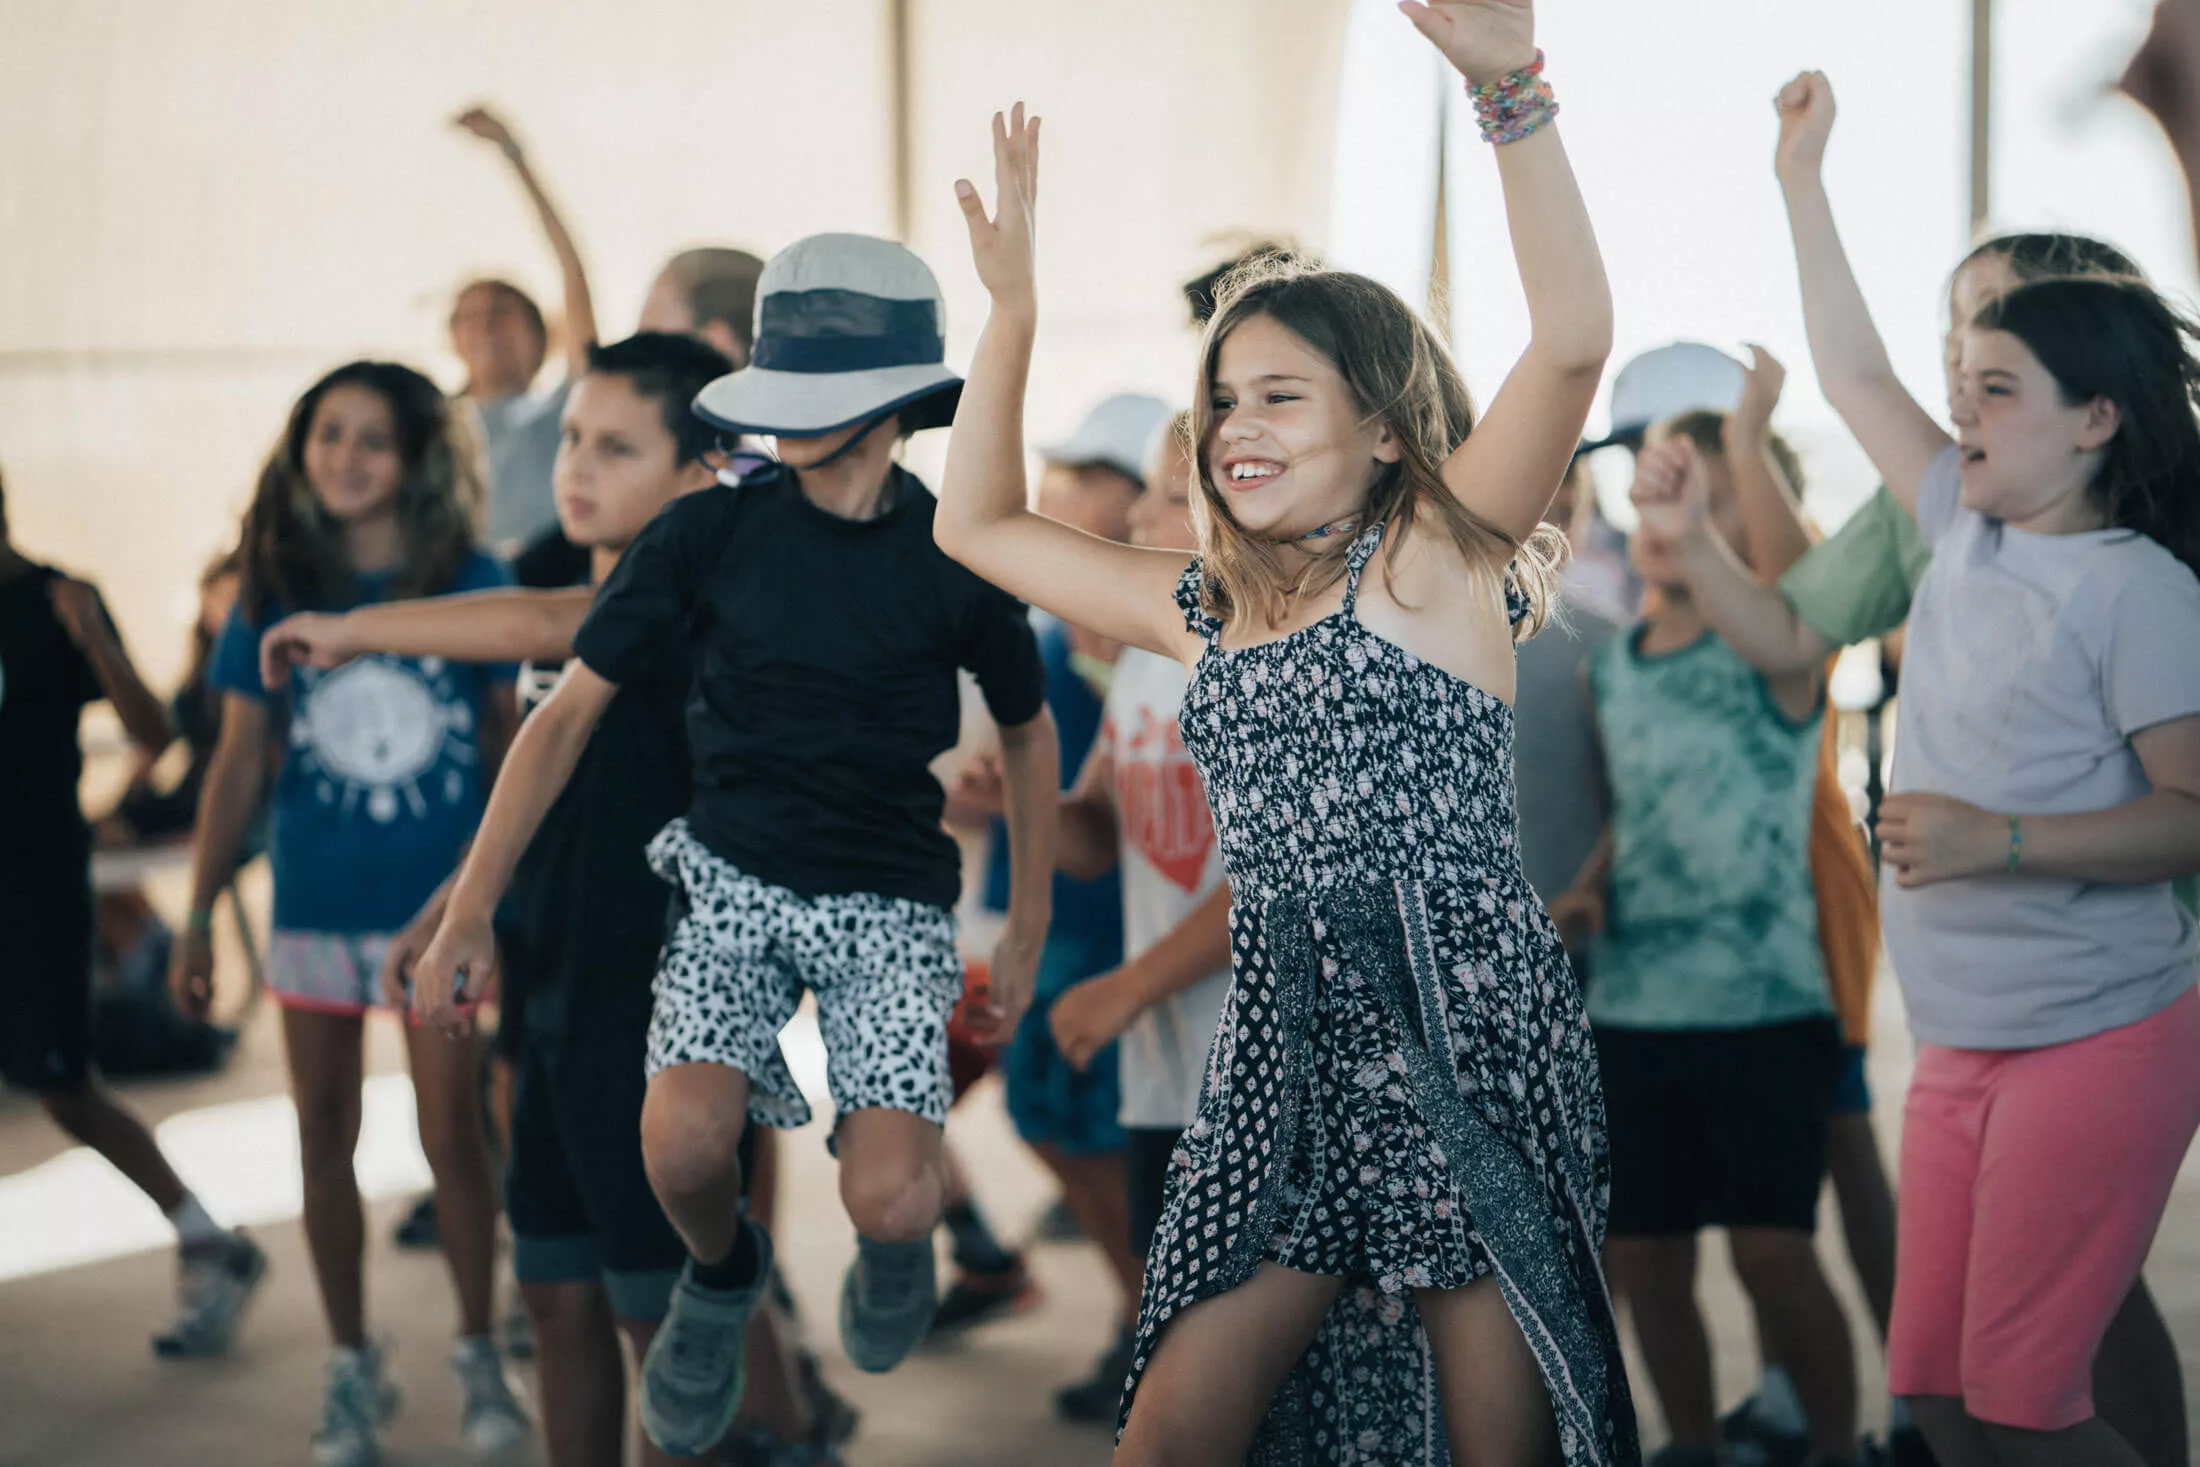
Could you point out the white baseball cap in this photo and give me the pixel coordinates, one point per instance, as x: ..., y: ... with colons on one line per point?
x: 1116, y: 435
x: 1666, y: 381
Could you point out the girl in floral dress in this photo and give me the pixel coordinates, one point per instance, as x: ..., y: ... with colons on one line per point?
x: 1382, y: 1233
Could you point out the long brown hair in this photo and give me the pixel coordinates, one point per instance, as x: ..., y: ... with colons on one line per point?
x: 1397, y: 371
x: 293, y: 550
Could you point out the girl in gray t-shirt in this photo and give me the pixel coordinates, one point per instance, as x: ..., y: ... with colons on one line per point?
x: 2047, y: 791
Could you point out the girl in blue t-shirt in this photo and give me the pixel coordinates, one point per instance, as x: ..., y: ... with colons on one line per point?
x: 383, y: 767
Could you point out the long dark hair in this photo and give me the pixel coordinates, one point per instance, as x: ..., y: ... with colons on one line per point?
x: 1397, y: 371
x: 293, y: 552
x: 2118, y: 339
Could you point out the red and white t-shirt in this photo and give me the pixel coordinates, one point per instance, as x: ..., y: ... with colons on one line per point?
x: 1170, y: 865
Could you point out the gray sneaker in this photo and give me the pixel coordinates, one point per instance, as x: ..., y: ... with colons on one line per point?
x: 887, y: 1301
x: 492, y: 1420
x: 357, y: 1401
x: 214, y: 1283
x: 693, y: 1373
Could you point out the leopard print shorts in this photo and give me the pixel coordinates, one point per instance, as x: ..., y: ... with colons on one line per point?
x: 885, y: 972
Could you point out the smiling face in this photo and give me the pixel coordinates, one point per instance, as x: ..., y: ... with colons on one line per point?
x: 2026, y: 451
x: 352, y: 459
x: 1289, y: 449
x: 618, y: 464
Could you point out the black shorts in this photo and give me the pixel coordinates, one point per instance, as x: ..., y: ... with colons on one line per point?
x: 1718, y: 1127
x: 46, y: 938
x: 1146, y: 1165
x: 575, y: 1188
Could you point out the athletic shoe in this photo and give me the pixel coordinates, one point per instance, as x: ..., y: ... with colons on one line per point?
x: 214, y: 1282
x: 492, y: 1419
x: 979, y: 1298
x: 1751, y: 1441
x: 418, y: 1231
x: 1098, y: 1399
x: 356, y: 1401
x: 887, y: 1300
x: 694, y: 1370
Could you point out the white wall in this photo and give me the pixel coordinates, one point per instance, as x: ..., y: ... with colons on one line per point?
x: 204, y: 203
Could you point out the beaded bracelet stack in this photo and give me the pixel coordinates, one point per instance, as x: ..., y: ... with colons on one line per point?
x: 1514, y: 106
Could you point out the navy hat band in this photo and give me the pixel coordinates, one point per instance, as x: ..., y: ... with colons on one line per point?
x: 845, y: 331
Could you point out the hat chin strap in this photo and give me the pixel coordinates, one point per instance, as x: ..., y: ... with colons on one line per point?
x: 854, y: 439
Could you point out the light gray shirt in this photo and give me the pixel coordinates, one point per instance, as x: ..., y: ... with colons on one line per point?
x: 2032, y: 660
x: 520, y: 436
x: 1560, y: 791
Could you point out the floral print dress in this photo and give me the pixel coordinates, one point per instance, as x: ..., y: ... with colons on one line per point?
x: 1402, y: 1089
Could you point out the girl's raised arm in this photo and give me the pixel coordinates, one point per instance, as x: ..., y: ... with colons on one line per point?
x: 984, y: 519
x: 1511, y: 465
x: 1853, y: 370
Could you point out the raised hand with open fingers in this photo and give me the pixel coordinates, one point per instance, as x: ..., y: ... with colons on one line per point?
x: 1805, y: 106
x: 1004, y: 246
x: 1486, y: 40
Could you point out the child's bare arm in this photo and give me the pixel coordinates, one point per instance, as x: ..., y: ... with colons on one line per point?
x: 1772, y: 518
x: 1031, y: 770
x: 542, y: 759
x: 236, y: 777
x: 1508, y: 469
x: 506, y: 625
x: 1854, y: 370
x: 1087, y: 840
x: 83, y: 613
x: 580, y: 305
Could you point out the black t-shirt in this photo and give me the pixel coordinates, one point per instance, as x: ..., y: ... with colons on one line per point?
x: 825, y: 657
x: 45, y: 681
x: 586, y: 915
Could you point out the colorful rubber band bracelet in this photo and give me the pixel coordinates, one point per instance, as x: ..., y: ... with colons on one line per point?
x: 2016, y: 844
x: 199, y: 921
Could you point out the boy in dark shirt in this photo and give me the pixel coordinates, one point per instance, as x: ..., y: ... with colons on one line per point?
x: 826, y: 633
x: 58, y: 652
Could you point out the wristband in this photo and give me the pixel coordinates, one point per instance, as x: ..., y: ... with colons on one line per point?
x: 1516, y: 105
x: 199, y: 922
x: 2016, y: 844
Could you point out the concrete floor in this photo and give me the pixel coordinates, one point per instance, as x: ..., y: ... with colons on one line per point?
x: 79, y: 1388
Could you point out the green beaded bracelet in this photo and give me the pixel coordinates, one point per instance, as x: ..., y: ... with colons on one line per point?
x: 2016, y: 844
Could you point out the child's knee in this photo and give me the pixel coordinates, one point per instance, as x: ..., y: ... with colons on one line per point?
x: 688, y: 1149
x: 893, y: 1202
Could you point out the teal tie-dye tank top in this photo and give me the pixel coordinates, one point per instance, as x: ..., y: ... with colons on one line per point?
x: 1711, y: 920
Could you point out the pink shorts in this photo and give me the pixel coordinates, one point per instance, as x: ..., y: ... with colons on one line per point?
x: 330, y: 972
x: 2033, y: 1182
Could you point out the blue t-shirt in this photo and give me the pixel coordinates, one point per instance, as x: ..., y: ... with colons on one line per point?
x: 1087, y: 913
x: 381, y: 784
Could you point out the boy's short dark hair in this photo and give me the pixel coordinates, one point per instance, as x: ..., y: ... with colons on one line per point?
x: 669, y: 370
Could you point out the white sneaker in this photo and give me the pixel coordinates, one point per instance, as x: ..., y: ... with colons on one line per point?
x: 493, y: 1421
x: 358, y: 1400
x: 214, y: 1283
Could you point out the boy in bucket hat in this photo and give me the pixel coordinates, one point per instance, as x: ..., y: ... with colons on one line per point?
x: 826, y: 631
